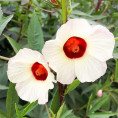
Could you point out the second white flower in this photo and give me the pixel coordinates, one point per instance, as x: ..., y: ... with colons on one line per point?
x: 79, y: 50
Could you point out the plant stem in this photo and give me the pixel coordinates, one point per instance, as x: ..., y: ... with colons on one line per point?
x: 20, y: 32
x: 4, y: 58
x: 64, y: 11
x: 46, y: 106
x: 61, y: 92
x: 98, y: 5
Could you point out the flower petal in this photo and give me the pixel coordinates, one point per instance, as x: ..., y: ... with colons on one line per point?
x: 66, y: 73
x: 89, y: 69
x: 27, y: 55
x: 48, y: 83
x: 43, y: 98
x: 74, y: 27
x: 18, y: 72
x: 101, y: 43
x: 31, y: 90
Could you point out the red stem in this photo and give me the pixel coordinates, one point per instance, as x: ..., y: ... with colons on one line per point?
x: 61, y: 92
x: 104, y: 11
x: 98, y: 5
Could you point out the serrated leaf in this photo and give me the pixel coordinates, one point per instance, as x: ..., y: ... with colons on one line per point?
x: 12, y: 98
x: 72, y: 86
x: 13, y: 43
x: 99, y: 103
x: 35, y: 34
x: 55, y: 102
x: 102, y: 114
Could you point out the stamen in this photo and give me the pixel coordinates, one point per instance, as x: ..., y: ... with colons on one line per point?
x: 75, y: 47
x: 39, y: 71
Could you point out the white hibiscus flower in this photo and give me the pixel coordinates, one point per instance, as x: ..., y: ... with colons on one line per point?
x: 31, y: 74
x: 79, y: 50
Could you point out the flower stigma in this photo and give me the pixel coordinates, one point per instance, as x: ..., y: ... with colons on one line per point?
x: 75, y: 47
x: 39, y: 71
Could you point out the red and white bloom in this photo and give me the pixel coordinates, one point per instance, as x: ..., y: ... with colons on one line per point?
x: 31, y: 74
x: 81, y: 50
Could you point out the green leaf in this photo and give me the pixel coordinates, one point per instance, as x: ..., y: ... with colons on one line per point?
x: 89, y: 103
x: 28, y: 108
x: 12, y: 98
x: 60, y: 111
x: 17, y: 111
x: 99, y: 103
x: 116, y: 32
x: 3, y: 74
x: 102, y: 114
x: 108, y: 81
x: 114, y: 96
x: 3, y: 114
x: 72, y: 86
x: 52, y: 114
x: 4, y: 21
x: 3, y: 87
x: 1, y: 13
x: 35, y: 34
x: 86, y: 15
x: 13, y: 43
x: 55, y: 102
x: 116, y: 71
x: 65, y: 113
x: 38, y: 112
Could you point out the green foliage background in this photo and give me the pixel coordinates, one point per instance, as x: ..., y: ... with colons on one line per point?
x: 30, y: 26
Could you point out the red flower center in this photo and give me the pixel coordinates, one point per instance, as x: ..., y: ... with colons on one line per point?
x: 39, y: 71
x: 75, y: 47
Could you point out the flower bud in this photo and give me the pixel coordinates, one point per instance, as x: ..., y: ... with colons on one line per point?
x: 99, y: 93
x: 56, y: 2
